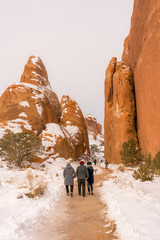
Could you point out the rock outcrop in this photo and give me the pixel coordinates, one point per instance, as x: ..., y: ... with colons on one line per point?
x: 73, y: 121
x: 94, y: 133
x: 32, y: 105
x: 119, y: 123
x: 99, y: 126
x: 142, y: 54
x: 58, y: 142
x: 93, y: 127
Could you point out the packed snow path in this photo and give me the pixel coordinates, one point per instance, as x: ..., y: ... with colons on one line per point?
x: 78, y: 218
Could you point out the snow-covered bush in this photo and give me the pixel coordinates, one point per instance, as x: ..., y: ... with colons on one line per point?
x: 18, y: 148
x: 144, y: 172
x: 131, y: 154
x: 94, y: 148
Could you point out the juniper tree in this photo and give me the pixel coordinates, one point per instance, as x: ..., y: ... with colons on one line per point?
x: 144, y: 172
x: 131, y: 154
x: 18, y: 148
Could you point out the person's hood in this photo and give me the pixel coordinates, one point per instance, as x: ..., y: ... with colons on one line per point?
x: 68, y: 166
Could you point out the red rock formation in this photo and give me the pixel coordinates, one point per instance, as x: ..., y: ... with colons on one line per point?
x: 57, y: 142
x: 142, y: 54
x: 93, y: 127
x: 91, y: 123
x: 99, y: 126
x: 31, y: 103
x: 119, y: 123
x: 73, y: 121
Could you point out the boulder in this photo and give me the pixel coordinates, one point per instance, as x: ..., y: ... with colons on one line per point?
x: 142, y: 54
x: 119, y: 123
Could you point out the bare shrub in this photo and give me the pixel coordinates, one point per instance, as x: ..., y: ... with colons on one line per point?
x: 37, y: 185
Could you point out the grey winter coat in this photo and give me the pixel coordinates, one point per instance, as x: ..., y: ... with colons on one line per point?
x: 82, y: 172
x: 69, y: 174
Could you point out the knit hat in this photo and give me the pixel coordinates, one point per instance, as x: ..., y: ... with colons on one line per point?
x: 89, y: 163
x: 81, y: 162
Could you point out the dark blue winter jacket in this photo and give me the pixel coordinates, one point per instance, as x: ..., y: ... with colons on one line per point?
x: 91, y: 174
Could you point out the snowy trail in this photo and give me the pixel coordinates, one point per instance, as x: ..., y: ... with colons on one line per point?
x: 78, y: 218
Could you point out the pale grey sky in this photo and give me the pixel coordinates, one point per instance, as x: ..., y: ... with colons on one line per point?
x: 74, y: 38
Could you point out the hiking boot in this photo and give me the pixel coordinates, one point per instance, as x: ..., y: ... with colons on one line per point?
x: 71, y: 194
x: 67, y: 194
x: 92, y: 193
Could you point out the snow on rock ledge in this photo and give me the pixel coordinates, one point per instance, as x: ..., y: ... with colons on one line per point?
x: 57, y: 142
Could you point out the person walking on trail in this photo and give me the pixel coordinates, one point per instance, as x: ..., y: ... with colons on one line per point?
x: 69, y: 175
x: 106, y: 164
x: 90, y: 179
x: 95, y: 161
x: 82, y: 174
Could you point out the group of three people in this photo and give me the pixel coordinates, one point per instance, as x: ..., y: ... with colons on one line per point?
x: 82, y: 174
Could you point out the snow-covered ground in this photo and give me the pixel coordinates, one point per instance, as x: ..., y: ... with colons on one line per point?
x: 19, y: 213
x: 134, y: 205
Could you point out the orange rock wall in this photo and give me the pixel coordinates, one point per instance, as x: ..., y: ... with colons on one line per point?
x: 142, y: 54
x: 119, y: 123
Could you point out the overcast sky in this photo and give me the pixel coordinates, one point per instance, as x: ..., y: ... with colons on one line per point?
x: 74, y: 38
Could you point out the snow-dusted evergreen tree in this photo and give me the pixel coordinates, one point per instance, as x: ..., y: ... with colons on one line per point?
x: 131, y: 154
x: 18, y: 148
x: 144, y: 172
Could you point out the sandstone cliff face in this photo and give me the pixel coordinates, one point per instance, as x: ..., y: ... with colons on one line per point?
x: 73, y: 121
x: 142, y: 54
x: 119, y: 123
x: 31, y: 103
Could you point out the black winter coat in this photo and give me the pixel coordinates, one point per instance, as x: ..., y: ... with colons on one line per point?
x: 91, y: 174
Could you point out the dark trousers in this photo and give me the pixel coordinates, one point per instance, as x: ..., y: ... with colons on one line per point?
x: 71, y: 188
x: 90, y: 186
x: 81, y: 182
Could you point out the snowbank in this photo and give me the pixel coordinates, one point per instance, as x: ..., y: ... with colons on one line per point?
x: 19, y: 214
x: 135, y: 206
